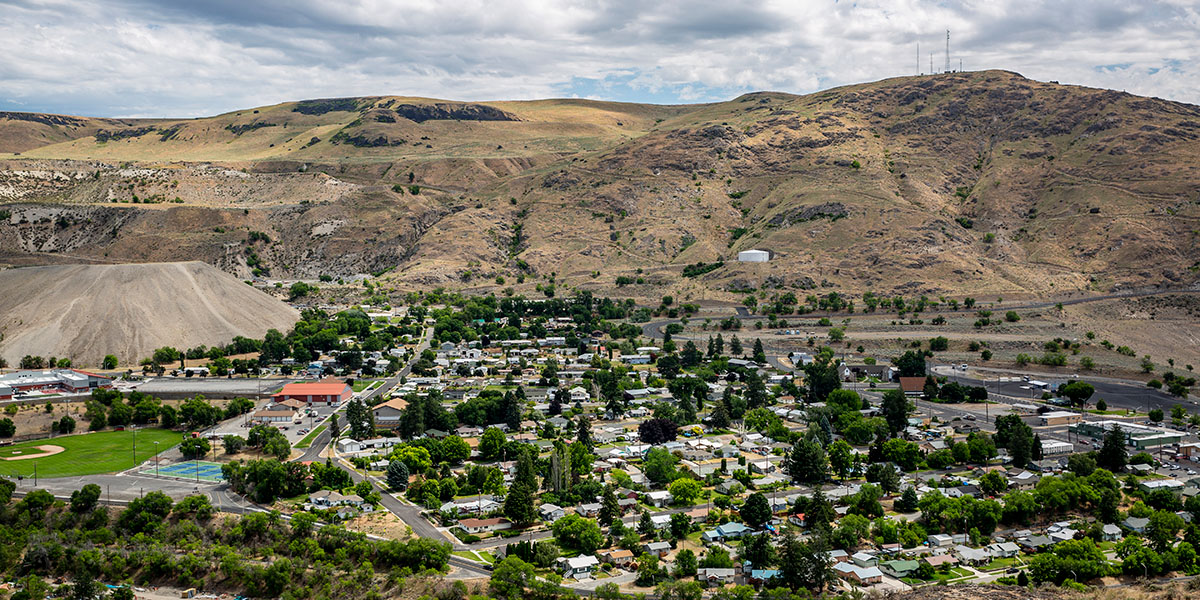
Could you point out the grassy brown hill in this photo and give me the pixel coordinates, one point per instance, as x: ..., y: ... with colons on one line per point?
x: 86, y: 311
x: 980, y: 183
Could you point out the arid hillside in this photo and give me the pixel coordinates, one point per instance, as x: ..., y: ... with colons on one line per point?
x: 84, y: 312
x: 961, y: 183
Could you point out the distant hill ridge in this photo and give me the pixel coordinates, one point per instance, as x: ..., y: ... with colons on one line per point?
x: 983, y: 182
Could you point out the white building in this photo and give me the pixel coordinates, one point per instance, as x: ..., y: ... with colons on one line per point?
x: 754, y: 256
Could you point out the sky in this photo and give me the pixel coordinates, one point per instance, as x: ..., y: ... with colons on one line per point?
x: 183, y: 58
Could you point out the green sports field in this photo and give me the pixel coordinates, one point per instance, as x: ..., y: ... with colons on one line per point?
x: 87, y: 454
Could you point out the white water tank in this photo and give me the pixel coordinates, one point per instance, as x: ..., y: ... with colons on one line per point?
x: 754, y: 256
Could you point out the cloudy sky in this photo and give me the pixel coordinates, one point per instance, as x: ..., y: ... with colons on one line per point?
x: 202, y: 57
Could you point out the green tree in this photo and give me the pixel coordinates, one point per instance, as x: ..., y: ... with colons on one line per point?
x: 685, y: 563
x: 578, y: 533
x: 756, y: 510
x: 397, y: 475
x: 659, y: 465
x: 895, y: 410
x: 907, y: 501
x: 510, y: 578
x: 518, y: 505
x: 196, y: 447
x: 841, y: 458
x: 84, y: 500
x: 1112, y: 454
x: 804, y: 566
x: 910, y: 364
x: 109, y: 363
x: 491, y: 443
x: 993, y: 483
x: 685, y: 490
x: 1077, y: 392
x: 610, y: 509
x: 806, y: 463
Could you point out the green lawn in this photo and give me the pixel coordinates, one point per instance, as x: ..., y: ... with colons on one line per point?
x: 312, y: 435
x: 88, y: 454
x: 361, y: 384
x: 1001, y: 563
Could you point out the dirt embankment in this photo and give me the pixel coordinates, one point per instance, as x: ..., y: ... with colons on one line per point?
x: 84, y: 312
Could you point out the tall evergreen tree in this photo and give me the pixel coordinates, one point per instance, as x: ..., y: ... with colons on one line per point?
x: 610, y: 510
x: 512, y: 412
x: 526, y: 471
x: 583, y: 433
x: 397, y: 475
x: 686, y: 415
x: 719, y: 418
x: 735, y: 346
x: 760, y: 356
x: 1112, y: 454
x: 518, y: 505
x: 756, y: 391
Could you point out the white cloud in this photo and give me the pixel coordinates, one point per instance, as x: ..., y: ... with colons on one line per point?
x: 143, y: 58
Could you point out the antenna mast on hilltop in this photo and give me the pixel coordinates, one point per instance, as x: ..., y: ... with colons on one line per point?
x: 919, y: 58
x: 947, y: 50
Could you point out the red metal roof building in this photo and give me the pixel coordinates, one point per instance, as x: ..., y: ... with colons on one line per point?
x: 321, y: 392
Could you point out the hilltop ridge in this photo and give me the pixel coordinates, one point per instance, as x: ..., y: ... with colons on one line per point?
x: 981, y: 182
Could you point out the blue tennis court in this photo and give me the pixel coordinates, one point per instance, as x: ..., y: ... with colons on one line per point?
x: 192, y: 469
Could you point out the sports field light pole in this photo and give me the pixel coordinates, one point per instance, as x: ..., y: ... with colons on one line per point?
x: 156, y: 459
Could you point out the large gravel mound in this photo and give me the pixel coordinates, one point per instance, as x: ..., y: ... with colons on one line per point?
x: 86, y: 311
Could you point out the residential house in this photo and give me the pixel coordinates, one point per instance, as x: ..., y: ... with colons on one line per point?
x: 859, y: 575
x: 659, y: 549
x: 1035, y: 543
x: 1003, y: 550
x: 899, y: 568
x: 760, y: 577
x: 1111, y: 533
x: 972, y: 556
x: 726, y: 531
x: 938, y: 560
x: 590, y: 510
x: 578, y: 567
x: 711, y: 576
x: 659, y: 498
x: 480, y: 505
x: 550, y: 512
x: 1137, y: 524
x: 864, y: 559
x: 621, y: 558
x: 478, y: 526
x: 661, y: 522
x: 329, y: 499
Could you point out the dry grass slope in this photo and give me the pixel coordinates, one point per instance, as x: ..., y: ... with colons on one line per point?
x: 86, y: 311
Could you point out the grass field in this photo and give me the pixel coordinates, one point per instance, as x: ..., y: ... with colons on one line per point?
x: 312, y: 435
x: 87, y: 454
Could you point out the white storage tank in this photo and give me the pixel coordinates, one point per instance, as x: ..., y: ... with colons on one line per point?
x: 754, y: 256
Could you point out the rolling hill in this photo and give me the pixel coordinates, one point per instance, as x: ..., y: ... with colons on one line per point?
x: 87, y: 311
x: 959, y: 183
